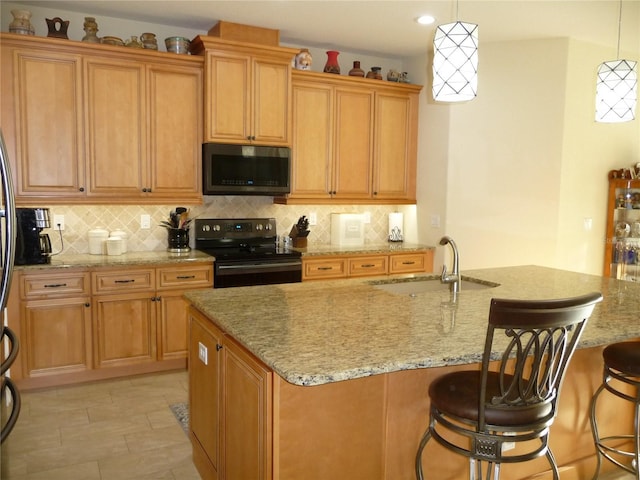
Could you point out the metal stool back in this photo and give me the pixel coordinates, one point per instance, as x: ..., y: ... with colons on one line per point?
x: 621, y: 376
x: 512, y: 400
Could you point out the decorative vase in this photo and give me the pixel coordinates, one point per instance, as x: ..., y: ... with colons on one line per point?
x: 178, y: 240
x: 393, y: 75
x: 133, y: 42
x: 91, y: 30
x: 375, y: 73
x: 332, y: 65
x: 356, y: 71
x: 57, y: 27
x: 21, y: 23
x: 149, y: 41
x: 303, y: 60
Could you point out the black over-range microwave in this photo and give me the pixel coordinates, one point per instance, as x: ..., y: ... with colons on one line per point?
x: 245, y: 169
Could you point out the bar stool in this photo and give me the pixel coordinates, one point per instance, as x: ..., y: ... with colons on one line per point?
x: 480, y: 413
x: 621, y: 371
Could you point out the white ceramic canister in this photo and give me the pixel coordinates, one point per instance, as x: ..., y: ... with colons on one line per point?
x: 97, y: 237
x: 114, y: 246
x: 123, y: 235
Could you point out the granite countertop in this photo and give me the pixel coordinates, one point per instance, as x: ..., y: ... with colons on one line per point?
x: 313, y: 333
x: 129, y: 259
x: 373, y: 248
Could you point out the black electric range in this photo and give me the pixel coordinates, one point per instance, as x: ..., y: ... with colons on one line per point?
x: 247, y: 252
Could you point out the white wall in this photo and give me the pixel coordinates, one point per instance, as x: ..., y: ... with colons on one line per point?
x: 524, y: 163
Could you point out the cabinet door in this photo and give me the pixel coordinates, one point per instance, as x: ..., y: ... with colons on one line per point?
x: 116, y: 122
x: 353, y: 143
x: 311, y: 166
x: 49, y: 127
x: 175, y: 130
x: 247, y: 416
x: 227, y: 97
x: 271, y: 102
x: 394, y: 169
x: 205, y: 342
x: 173, y: 326
x: 125, y: 329
x: 56, y: 336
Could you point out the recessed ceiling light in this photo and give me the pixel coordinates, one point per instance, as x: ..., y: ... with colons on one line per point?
x: 425, y: 20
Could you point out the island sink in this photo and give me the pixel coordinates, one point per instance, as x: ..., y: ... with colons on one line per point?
x: 416, y: 285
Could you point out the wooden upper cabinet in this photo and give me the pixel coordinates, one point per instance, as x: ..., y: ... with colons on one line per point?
x: 115, y: 112
x: 247, y: 92
x: 174, y: 103
x: 47, y: 108
x: 87, y: 123
x: 395, y: 146
x: 354, y: 140
x: 353, y: 144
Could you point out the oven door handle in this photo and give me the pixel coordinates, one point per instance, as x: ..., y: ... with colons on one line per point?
x: 259, y: 265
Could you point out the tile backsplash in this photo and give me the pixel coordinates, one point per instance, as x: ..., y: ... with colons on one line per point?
x: 80, y: 219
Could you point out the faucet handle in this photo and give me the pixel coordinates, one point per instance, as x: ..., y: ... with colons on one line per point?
x: 444, y: 273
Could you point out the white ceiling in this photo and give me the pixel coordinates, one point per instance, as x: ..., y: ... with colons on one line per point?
x: 387, y: 27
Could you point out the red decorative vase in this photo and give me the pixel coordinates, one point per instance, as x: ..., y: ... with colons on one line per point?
x: 332, y: 65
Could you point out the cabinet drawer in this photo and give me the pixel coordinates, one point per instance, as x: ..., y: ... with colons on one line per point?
x: 362, y: 266
x: 54, y: 284
x: 123, y: 281
x: 195, y: 276
x: 415, y: 262
x: 325, y: 268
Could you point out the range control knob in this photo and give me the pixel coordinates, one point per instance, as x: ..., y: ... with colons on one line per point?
x: 206, y: 228
x: 259, y: 227
x: 268, y: 227
x: 216, y: 228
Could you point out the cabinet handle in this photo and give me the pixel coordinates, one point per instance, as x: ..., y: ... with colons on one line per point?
x: 218, y: 347
x: 325, y: 268
x: 125, y: 281
x: 375, y: 193
x: 367, y: 265
x: 87, y: 304
x: 408, y: 263
x: 55, y: 285
x: 185, y: 277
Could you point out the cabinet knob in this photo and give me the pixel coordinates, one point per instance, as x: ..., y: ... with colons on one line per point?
x: 218, y: 347
x: 81, y: 189
x: 87, y: 304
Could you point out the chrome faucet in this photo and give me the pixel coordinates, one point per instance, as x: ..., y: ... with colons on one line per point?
x: 454, y: 277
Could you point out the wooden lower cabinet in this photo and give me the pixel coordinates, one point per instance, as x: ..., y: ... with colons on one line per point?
x: 230, y: 395
x: 327, y: 267
x: 80, y: 325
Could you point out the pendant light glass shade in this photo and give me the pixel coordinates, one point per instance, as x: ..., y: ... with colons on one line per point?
x: 616, y: 91
x: 455, y: 62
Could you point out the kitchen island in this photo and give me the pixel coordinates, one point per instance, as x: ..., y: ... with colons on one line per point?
x: 344, y: 369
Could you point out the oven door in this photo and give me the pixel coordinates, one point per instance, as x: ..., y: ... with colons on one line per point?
x: 246, y: 272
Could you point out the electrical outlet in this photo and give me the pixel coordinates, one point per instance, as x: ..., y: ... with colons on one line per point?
x: 202, y: 353
x: 366, y: 217
x: 58, y: 222
x: 313, y: 218
x: 435, y: 220
x: 145, y: 221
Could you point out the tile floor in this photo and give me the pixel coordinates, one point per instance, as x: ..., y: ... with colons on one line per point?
x: 111, y: 430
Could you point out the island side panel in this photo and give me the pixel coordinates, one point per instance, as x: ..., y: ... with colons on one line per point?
x: 334, y: 430
x: 370, y: 428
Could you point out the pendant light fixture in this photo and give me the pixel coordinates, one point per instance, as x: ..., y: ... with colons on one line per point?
x: 617, y: 87
x: 455, y: 61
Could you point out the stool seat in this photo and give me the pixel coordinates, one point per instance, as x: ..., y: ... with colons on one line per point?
x: 623, y: 357
x: 458, y: 392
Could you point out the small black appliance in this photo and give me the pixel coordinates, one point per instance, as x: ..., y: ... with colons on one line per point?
x: 32, y: 246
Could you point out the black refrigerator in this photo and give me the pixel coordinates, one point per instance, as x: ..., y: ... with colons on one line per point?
x: 9, y: 395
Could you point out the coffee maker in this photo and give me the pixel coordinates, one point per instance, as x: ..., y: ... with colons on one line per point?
x: 32, y: 246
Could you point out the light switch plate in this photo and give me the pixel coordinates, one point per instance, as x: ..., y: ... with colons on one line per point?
x: 58, y: 222
x: 145, y: 221
x: 203, y: 353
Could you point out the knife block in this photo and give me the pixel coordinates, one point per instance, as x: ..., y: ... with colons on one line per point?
x: 299, y: 241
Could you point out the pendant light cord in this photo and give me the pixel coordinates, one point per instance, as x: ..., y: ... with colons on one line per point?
x: 619, y: 28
